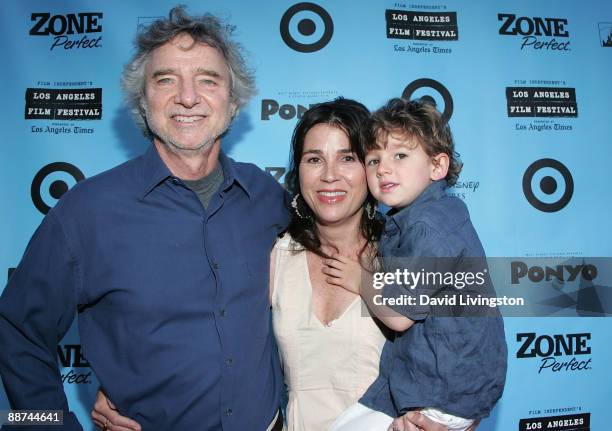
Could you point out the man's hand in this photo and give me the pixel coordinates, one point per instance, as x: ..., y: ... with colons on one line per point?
x: 343, y: 272
x: 106, y: 417
x: 415, y: 421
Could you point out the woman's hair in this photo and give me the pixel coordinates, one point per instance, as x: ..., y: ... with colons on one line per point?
x: 352, y: 118
x: 420, y: 120
x: 205, y: 29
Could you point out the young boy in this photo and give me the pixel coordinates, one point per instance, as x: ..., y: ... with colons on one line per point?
x: 451, y: 369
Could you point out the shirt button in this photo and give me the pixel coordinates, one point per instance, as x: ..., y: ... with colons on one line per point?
x: 176, y: 181
x: 229, y: 412
x: 229, y: 362
x: 222, y: 313
x: 215, y: 265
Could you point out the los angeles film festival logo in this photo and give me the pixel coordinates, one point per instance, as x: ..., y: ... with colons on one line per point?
x: 541, y: 106
x: 571, y: 422
x: 63, y: 105
x: 427, y: 29
x: 69, y: 31
x: 536, y: 33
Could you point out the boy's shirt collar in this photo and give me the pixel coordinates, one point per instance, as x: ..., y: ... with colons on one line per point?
x: 396, y: 218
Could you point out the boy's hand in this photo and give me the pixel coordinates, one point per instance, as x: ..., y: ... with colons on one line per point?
x: 343, y: 272
x: 347, y: 273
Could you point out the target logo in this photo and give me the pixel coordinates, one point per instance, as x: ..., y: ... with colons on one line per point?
x: 541, y: 185
x: 306, y: 27
x: 414, y: 89
x: 51, y: 182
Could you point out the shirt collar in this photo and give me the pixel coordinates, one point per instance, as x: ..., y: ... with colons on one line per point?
x: 155, y: 171
x: 432, y: 192
x: 231, y: 174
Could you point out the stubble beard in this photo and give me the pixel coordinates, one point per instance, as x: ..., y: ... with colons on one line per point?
x: 180, y: 149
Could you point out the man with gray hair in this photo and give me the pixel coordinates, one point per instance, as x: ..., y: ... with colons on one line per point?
x: 165, y: 257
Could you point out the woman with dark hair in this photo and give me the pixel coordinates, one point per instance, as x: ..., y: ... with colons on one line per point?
x: 329, y: 346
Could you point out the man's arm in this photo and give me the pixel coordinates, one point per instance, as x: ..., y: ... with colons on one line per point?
x: 37, y: 307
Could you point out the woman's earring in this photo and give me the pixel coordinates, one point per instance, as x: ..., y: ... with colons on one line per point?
x: 370, y: 211
x: 294, y: 205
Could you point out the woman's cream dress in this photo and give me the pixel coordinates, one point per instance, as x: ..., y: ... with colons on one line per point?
x: 327, y: 368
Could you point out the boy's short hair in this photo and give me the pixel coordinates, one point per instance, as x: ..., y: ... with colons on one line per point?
x: 418, y: 119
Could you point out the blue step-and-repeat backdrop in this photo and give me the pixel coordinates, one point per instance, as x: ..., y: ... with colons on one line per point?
x: 526, y: 86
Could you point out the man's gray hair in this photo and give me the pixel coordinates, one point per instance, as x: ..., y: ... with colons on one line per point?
x: 205, y: 29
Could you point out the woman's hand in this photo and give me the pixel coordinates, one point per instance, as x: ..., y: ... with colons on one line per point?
x: 106, y: 417
x: 343, y: 272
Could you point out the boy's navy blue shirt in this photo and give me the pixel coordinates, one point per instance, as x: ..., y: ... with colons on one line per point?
x: 455, y: 364
x: 172, y: 299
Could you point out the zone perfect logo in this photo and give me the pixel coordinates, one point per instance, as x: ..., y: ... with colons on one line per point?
x: 537, y: 33
x: 71, y: 356
x: 66, y: 29
x: 555, y: 349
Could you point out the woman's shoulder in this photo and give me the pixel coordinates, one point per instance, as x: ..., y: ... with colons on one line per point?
x: 287, y: 243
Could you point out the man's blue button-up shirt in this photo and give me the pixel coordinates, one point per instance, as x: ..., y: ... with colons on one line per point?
x: 172, y: 299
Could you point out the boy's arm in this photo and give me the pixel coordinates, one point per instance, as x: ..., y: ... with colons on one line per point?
x: 422, y: 250
x: 350, y: 275
x: 395, y: 303
x: 373, y: 299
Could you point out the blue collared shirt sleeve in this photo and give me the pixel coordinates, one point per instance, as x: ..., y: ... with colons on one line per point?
x: 36, y: 309
x: 415, y: 250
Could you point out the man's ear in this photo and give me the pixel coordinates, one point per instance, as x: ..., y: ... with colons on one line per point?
x: 439, y: 166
